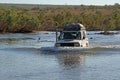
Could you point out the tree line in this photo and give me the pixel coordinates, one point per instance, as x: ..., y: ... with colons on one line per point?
x: 93, y: 17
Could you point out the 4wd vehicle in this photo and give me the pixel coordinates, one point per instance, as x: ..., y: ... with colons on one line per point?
x: 73, y: 35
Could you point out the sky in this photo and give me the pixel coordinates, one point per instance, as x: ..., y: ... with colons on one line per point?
x: 63, y: 2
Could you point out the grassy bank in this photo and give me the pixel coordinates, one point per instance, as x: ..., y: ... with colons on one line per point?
x: 30, y: 18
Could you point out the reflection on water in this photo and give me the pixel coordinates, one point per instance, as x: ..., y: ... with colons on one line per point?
x: 71, y: 60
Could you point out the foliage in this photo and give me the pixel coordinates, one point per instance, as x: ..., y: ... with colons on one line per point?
x: 93, y: 17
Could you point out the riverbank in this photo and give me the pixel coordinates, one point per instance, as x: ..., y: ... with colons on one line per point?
x: 108, y: 32
x: 15, y: 19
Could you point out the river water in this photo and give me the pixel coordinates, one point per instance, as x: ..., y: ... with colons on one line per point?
x: 21, y: 58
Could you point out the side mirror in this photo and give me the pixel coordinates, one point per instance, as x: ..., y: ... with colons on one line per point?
x: 83, y: 37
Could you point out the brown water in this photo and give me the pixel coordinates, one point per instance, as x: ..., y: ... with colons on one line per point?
x: 22, y: 59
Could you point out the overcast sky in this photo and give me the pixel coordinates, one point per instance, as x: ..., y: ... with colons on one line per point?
x: 65, y: 2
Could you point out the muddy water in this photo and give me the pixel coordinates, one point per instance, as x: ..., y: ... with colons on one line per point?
x: 22, y: 59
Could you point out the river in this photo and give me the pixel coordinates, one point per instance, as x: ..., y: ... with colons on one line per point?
x: 22, y: 59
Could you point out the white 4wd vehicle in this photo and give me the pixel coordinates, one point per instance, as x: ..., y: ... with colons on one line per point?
x: 73, y: 35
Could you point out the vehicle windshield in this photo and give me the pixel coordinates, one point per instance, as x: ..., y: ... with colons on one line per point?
x: 70, y: 35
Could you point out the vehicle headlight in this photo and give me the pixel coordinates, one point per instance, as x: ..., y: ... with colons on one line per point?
x: 57, y: 44
x: 76, y: 44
